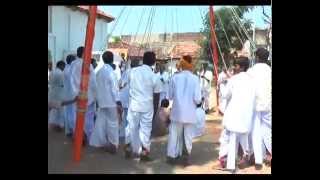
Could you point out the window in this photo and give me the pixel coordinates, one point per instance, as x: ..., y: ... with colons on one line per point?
x: 49, y: 19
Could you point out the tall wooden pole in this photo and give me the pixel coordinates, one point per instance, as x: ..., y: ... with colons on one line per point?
x: 214, y: 49
x: 85, y: 74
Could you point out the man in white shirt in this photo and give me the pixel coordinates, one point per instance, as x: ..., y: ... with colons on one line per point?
x: 222, y: 82
x: 106, y: 130
x: 69, y: 109
x: 184, y: 90
x: 205, y: 84
x: 143, y: 102
x: 75, y: 70
x: 56, y: 93
x: 124, y: 98
x: 164, y: 82
x: 261, y: 128
x: 237, y: 120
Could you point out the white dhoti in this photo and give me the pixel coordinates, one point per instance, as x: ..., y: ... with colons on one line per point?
x: 256, y: 139
x: 57, y: 116
x: 140, y: 126
x: 206, y: 95
x: 70, y: 118
x: 266, y: 130
x: 123, y: 123
x: 224, y: 142
x: 180, y: 135
x: 99, y: 134
x: 127, y: 133
x: 234, y: 139
x: 112, y: 125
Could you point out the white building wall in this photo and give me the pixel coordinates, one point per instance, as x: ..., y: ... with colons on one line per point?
x: 69, y: 30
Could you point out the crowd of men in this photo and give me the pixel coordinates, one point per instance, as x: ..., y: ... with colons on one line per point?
x: 146, y: 100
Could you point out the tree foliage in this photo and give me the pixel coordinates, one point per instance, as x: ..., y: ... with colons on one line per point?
x: 228, y: 33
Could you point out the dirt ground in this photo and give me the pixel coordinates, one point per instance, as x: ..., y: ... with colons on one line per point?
x: 203, y: 156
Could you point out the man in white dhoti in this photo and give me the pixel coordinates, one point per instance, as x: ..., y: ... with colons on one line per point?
x: 205, y: 84
x: 222, y: 82
x: 237, y: 120
x: 164, y: 82
x: 261, y: 128
x: 184, y: 90
x: 143, y: 102
x: 124, y: 98
x: 56, y: 93
x: 69, y: 109
x: 75, y: 71
x: 106, y: 130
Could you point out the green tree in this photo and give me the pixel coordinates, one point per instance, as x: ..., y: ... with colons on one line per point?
x: 117, y: 39
x: 227, y: 31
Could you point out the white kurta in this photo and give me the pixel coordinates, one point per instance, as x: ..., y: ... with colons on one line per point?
x: 179, y: 133
x: 164, y: 85
x: 206, y: 87
x: 143, y: 83
x: 241, y: 92
x: 107, y: 121
x: 222, y: 81
x: 185, y: 92
x: 107, y: 87
x: 261, y: 75
x: 56, y: 94
x: 75, y: 78
x: 237, y: 120
x: 261, y: 128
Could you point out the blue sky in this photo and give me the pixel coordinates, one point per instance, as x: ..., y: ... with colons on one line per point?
x: 168, y: 18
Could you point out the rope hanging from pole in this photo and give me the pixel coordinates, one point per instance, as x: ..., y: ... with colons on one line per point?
x: 223, y: 29
x: 148, y: 22
x: 243, y: 28
x: 115, y: 24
